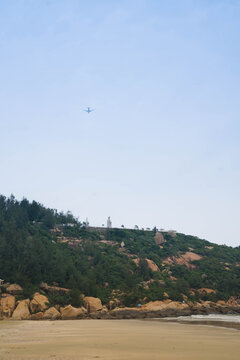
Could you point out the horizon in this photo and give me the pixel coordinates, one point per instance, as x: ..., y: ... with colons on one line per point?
x: 161, y: 147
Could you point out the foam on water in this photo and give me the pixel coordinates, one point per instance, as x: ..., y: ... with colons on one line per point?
x: 211, y: 317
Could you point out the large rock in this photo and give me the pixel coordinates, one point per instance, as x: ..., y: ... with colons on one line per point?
x: 51, y: 314
x: 159, y: 238
x: 22, y: 310
x: 152, y: 266
x: 7, y: 305
x: 92, y: 304
x: 37, y: 316
x: 39, y: 303
x: 70, y: 312
x: 183, y: 259
x: 164, y: 305
x: 53, y: 289
x: 206, y: 291
x: 14, y: 289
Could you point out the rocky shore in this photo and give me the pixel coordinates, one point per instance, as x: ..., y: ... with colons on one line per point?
x: 38, y: 308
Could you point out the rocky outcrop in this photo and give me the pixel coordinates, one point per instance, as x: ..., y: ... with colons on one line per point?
x: 92, y: 304
x: 7, y: 305
x: 152, y: 266
x: 53, y: 289
x: 51, y: 314
x: 37, y: 316
x: 22, y: 310
x: 206, y: 291
x: 70, y: 312
x: 184, y: 259
x: 164, y: 305
x: 152, y: 309
x: 14, y: 289
x: 39, y: 303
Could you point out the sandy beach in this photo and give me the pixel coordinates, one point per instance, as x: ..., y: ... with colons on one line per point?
x: 116, y: 340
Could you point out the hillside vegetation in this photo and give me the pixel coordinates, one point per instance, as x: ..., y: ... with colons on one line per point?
x: 129, y: 266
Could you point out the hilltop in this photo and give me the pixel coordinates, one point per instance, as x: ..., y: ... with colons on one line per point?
x: 42, y: 249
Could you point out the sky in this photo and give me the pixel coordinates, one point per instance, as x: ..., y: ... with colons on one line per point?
x: 162, y: 146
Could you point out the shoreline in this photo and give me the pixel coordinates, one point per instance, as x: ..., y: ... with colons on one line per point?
x: 205, y: 322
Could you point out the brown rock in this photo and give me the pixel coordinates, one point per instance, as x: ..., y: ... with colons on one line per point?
x: 159, y: 238
x: 37, y: 316
x: 14, y: 289
x: 70, y: 312
x: 22, y: 310
x: 39, y: 303
x: 164, y: 305
x: 232, y: 301
x: 221, y: 303
x: 111, y: 305
x: 7, y: 305
x: 51, y: 314
x: 206, y: 291
x: 53, y: 289
x: 136, y: 261
x: 152, y: 266
x: 184, y: 259
x: 92, y: 304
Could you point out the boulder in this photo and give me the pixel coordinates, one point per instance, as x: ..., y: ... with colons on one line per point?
x: 232, y: 301
x: 53, y: 289
x: 37, y: 316
x: 22, y: 310
x: 92, y: 304
x: 51, y: 314
x: 164, y: 305
x: 39, y: 303
x: 206, y: 291
x: 159, y: 238
x: 7, y: 305
x: 152, y: 266
x: 14, y: 289
x: 221, y: 303
x: 104, y: 309
x: 70, y: 312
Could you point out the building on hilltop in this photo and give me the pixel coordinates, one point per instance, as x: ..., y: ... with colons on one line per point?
x: 109, y: 222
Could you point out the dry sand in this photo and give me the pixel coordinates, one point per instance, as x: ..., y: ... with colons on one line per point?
x: 116, y: 340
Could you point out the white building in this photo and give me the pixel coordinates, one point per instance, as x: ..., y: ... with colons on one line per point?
x: 109, y: 222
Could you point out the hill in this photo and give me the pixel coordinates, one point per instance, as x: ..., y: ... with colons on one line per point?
x: 39, y: 245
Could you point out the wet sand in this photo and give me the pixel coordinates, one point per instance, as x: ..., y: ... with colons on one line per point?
x: 116, y: 340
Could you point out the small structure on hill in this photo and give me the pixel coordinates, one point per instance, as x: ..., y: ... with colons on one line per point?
x: 109, y: 222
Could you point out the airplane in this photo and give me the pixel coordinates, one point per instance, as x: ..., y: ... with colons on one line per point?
x: 88, y: 110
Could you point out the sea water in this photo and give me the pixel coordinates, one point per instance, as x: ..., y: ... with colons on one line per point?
x: 228, y: 320
x: 211, y: 317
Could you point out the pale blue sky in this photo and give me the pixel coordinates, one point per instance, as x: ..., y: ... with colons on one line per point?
x: 162, y: 147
